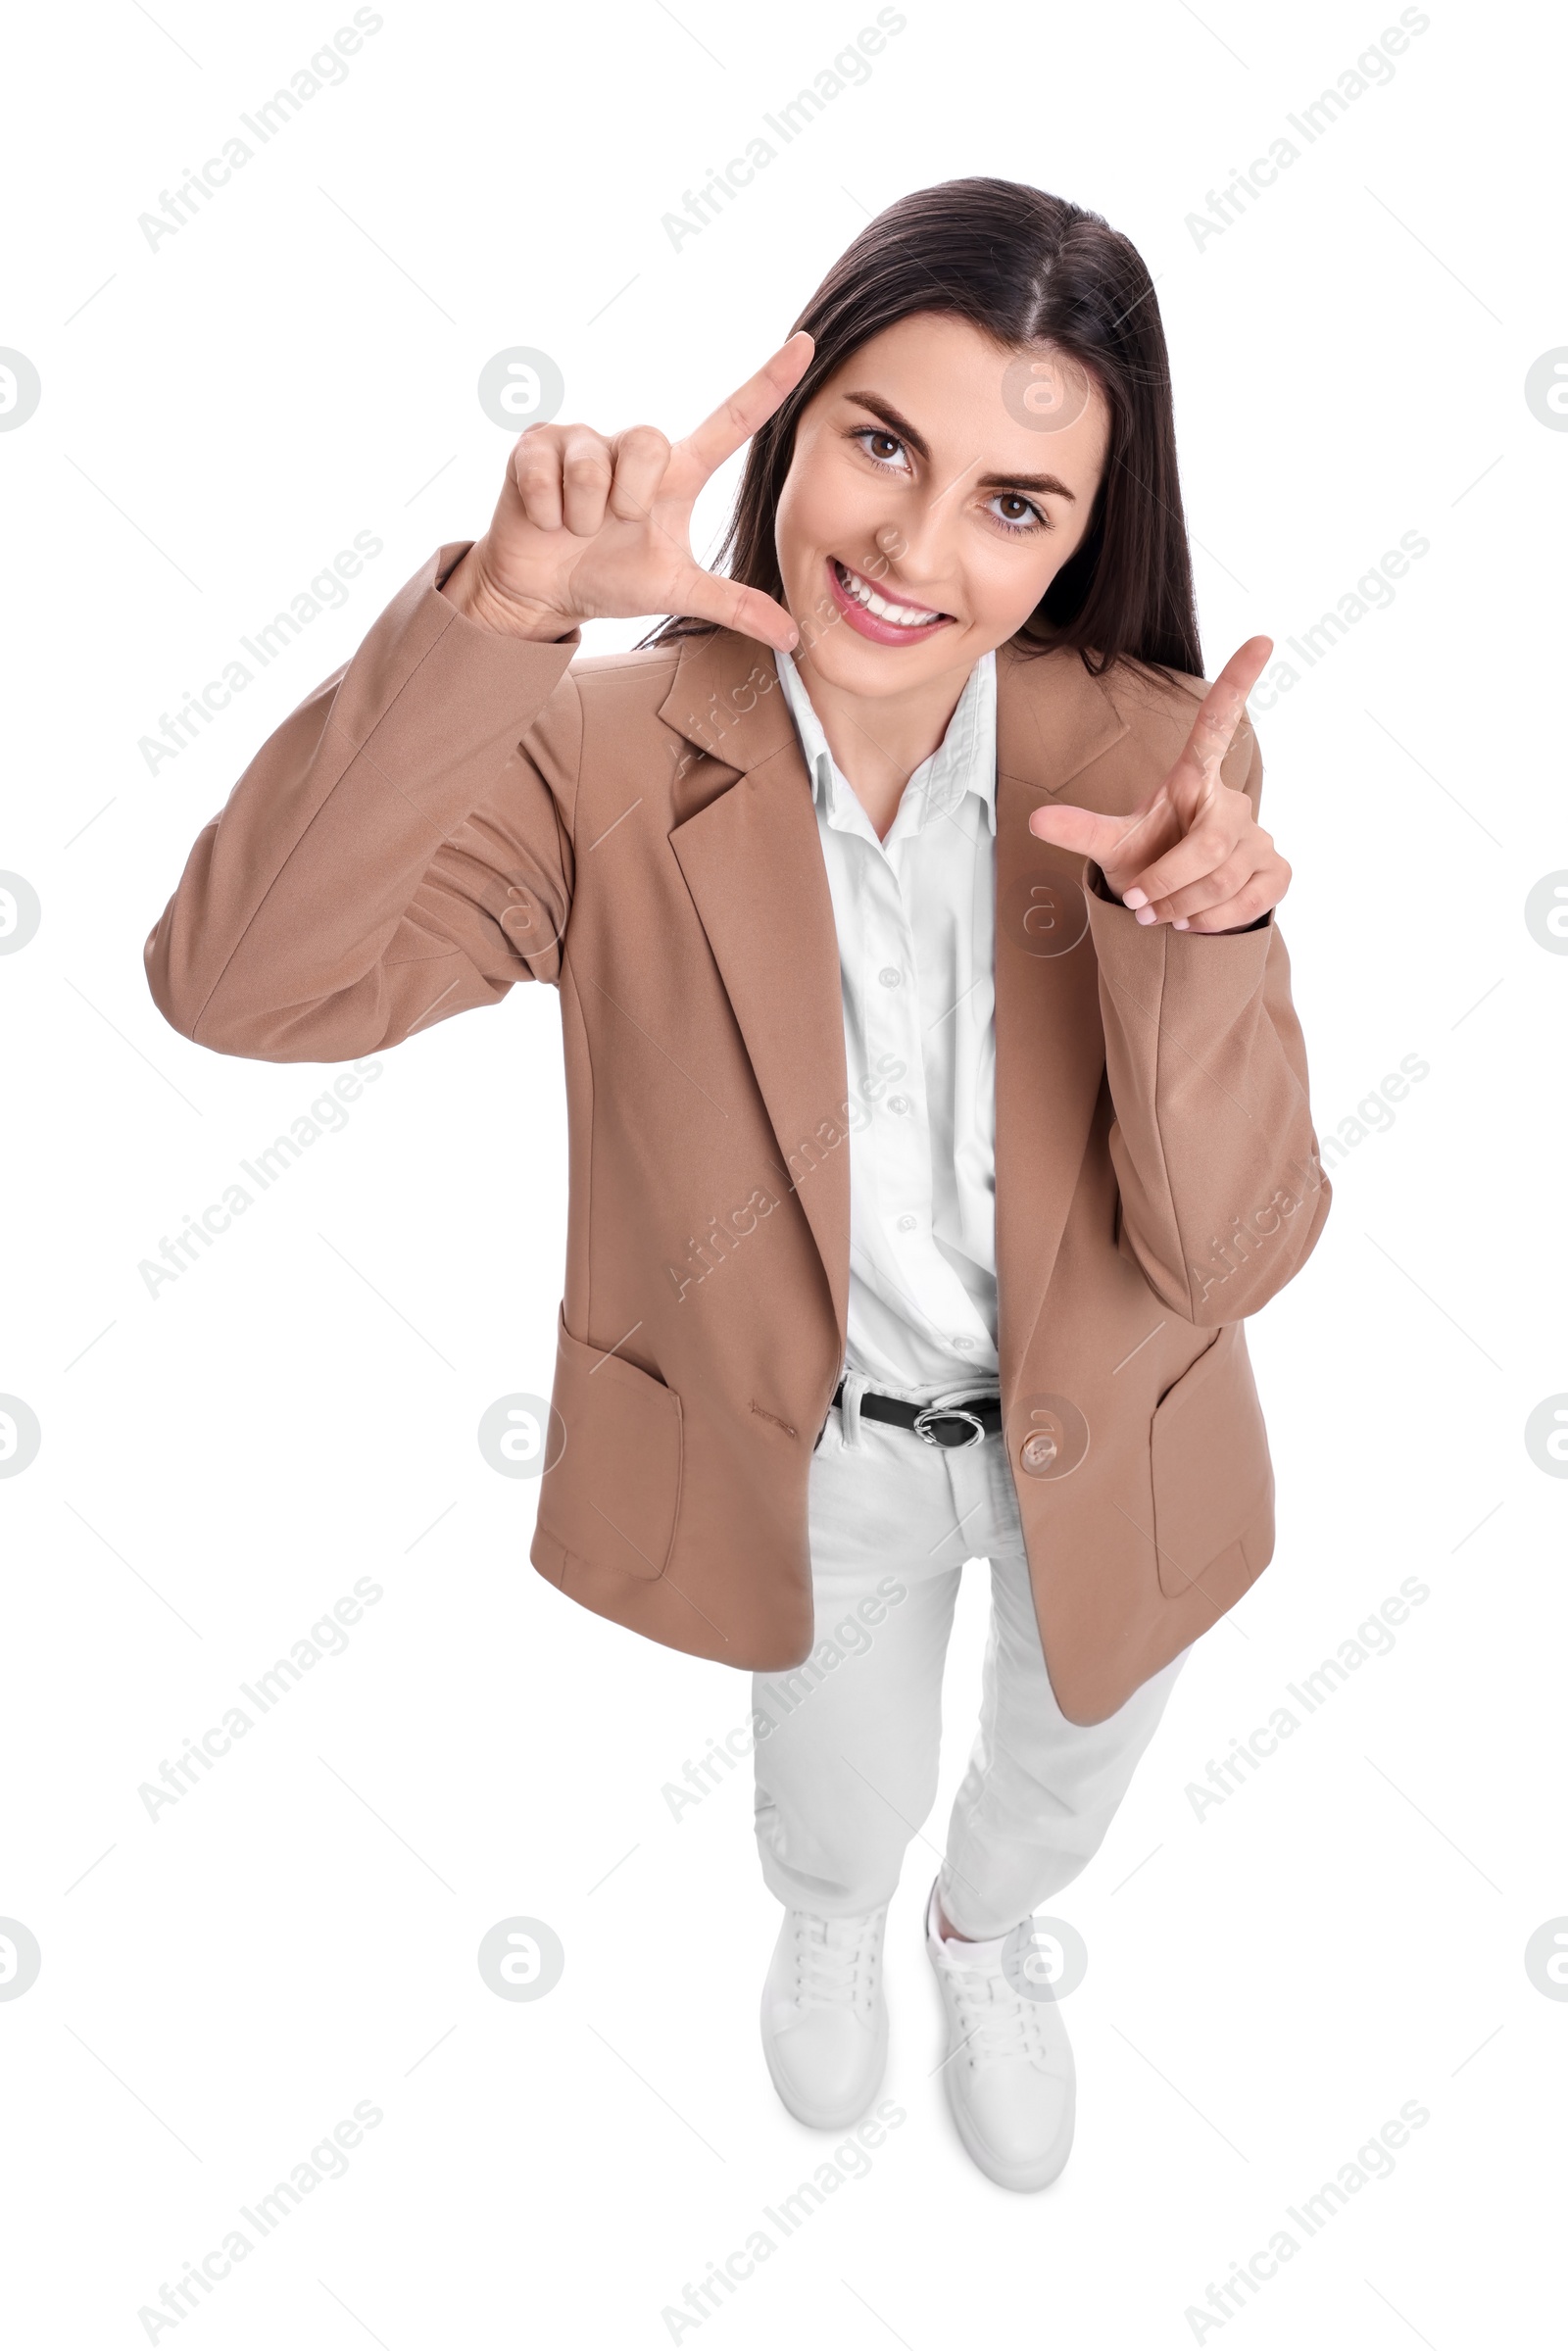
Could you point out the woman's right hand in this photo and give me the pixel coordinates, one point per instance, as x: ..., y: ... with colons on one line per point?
x: 594, y: 529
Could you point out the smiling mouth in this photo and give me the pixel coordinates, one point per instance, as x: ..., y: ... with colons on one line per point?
x: 857, y: 592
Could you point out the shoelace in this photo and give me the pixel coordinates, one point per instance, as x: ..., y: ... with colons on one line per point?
x: 833, y: 1959
x: 995, y: 2019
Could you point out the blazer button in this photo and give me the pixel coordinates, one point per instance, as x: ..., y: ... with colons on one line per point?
x: 1057, y: 1437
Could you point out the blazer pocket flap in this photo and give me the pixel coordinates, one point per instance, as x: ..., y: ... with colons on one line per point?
x: 611, y: 1490
x: 1210, y: 1461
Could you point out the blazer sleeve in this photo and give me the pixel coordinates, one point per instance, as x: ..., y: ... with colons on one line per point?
x: 1223, y: 1194
x: 394, y: 853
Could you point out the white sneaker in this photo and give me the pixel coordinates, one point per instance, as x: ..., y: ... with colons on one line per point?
x: 825, y: 2018
x: 1008, y: 2068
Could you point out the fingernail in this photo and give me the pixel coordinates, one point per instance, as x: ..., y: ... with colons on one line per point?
x: 1134, y: 897
x: 1179, y: 924
x: 1145, y: 914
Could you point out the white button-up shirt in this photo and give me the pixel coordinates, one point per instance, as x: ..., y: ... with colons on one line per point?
x: 916, y: 935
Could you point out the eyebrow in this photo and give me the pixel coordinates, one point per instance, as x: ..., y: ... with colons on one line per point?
x: 1047, y: 484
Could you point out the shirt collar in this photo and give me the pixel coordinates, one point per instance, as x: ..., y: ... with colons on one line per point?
x: 964, y: 761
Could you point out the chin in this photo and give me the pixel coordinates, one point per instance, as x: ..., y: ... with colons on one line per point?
x: 846, y: 661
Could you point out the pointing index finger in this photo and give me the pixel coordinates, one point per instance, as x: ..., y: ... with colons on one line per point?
x: 736, y: 418
x: 1220, y: 712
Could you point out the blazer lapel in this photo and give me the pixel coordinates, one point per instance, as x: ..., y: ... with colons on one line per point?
x: 1053, y: 720
x: 753, y: 862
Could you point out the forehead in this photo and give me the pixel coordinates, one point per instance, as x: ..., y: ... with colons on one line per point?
x: 1032, y: 408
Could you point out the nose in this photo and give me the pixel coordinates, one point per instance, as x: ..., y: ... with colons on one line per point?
x: 917, y: 549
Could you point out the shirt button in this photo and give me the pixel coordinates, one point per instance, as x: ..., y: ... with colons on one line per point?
x: 907, y: 1224
x: 963, y: 1342
x: 898, y: 1103
x: 890, y: 975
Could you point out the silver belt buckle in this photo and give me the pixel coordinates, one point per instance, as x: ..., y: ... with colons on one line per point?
x: 949, y: 1412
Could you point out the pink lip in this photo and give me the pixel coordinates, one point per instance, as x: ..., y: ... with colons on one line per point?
x: 867, y: 624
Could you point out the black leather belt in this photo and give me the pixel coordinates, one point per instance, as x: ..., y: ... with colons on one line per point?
x: 966, y: 1422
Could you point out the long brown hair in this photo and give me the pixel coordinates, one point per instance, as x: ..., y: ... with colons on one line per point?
x: 1026, y: 269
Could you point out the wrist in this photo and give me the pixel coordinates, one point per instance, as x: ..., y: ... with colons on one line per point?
x: 477, y: 597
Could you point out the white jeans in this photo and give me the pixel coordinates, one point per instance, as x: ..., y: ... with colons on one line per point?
x: 847, y: 1771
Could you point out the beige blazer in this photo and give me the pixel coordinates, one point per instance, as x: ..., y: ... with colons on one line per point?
x: 458, y: 810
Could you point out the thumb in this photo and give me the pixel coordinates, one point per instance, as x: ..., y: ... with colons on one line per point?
x: 1079, y: 830
x: 704, y: 596
x: 1108, y: 840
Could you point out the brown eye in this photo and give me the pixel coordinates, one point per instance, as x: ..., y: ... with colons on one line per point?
x: 1015, y: 512
x: 884, y: 445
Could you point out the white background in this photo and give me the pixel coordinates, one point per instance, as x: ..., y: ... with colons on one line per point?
x: 1270, y: 1982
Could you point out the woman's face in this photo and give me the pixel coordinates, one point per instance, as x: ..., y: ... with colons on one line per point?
x: 947, y: 480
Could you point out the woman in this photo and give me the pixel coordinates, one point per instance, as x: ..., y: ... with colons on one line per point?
x: 937, y: 1105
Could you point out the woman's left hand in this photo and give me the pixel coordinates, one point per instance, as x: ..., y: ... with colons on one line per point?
x: 1192, y: 855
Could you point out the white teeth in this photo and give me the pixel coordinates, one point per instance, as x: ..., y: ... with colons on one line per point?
x: 900, y: 615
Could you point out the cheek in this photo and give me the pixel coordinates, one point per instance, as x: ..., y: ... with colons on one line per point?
x: 791, y: 526
x: 1005, y: 585
x: 824, y: 506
